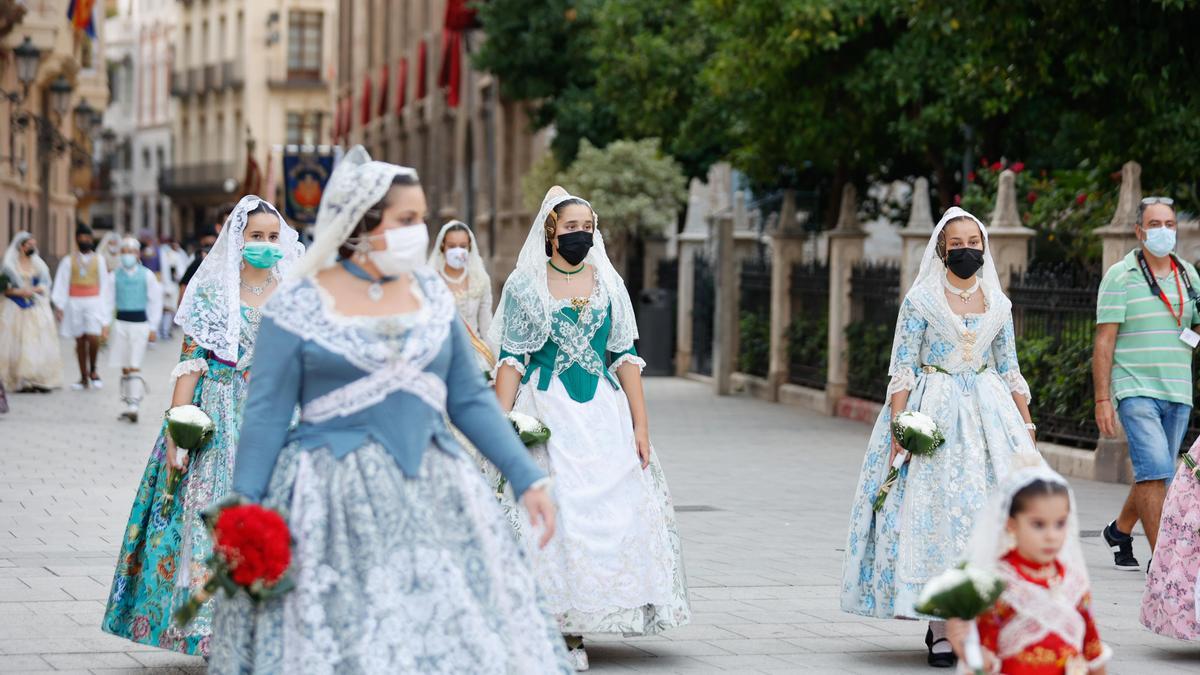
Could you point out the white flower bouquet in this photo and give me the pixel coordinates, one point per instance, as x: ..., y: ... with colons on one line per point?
x: 191, y: 428
x: 531, y: 430
x: 964, y: 593
x: 918, y: 434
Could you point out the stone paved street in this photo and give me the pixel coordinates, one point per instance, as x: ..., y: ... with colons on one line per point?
x: 762, y: 491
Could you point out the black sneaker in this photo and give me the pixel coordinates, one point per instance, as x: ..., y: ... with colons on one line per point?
x: 1122, y: 548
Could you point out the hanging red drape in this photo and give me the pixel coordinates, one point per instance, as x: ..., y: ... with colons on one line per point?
x: 450, y: 74
x: 366, y: 100
x: 422, y: 68
x: 383, y: 90
x: 459, y: 16
x: 401, y: 85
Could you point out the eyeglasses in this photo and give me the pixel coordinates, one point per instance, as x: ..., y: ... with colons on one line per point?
x: 1149, y: 201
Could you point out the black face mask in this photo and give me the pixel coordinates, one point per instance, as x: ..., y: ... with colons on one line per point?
x: 964, y: 262
x: 574, y: 246
x: 85, y: 246
x: 30, y: 252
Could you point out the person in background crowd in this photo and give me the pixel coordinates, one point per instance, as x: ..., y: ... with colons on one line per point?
x: 174, y: 263
x: 110, y: 248
x: 79, y: 292
x: 206, y: 238
x: 29, y: 358
x: 1142, y: 360
x: 137, y: 297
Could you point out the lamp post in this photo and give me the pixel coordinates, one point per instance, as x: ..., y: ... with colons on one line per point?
x: 50, y: 143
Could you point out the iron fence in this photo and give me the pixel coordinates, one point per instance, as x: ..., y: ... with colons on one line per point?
x: 808, y: 333
x: 703, y: 310
x: 1054, y: 316
x: 754, y: 311
x: 875, y: 302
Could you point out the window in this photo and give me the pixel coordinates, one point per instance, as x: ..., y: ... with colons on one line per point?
x: 304, y: 45
x: 146, y: 158
x: 303, y: 128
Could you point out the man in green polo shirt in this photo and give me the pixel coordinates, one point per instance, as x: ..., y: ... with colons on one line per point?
x: 1143, y: 360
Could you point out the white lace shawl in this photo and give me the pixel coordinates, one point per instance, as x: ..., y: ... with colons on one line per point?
x: 210, y: 311
x: 1038, y: 610
x: 356, y: 184
x: 477, y: 275
x: 523, y: 320
x: 929, y: 298
x: 11, y: 264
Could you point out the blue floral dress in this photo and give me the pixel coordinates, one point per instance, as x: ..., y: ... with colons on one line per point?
x: 962, y: 371
x: 162, y: 557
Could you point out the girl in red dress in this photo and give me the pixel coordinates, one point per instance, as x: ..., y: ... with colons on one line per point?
x: 1042, y: 624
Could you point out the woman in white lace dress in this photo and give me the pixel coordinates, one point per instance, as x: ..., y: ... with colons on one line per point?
x: 566, y: 330
x: 402, y: 560
x: 456, y: 258
x: 954, y: 359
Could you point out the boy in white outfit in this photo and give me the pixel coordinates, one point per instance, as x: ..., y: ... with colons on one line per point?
x: 137, y: 297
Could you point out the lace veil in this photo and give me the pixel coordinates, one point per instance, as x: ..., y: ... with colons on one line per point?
x: 1039, y: 611
x: 522, y: 323
x: 11, y: 259
x: 476, y: 273
x: 356, y: 184
x: 210, y: 311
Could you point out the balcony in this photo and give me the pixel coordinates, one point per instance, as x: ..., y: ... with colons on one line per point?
x: 300, y: 79
x: 211, y: 74
x: 180, y: 85
x: 234, y: 74
x: 216, y: 179
x: 196, y: 80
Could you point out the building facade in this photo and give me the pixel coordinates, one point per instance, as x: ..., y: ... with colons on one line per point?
x: 245, y: 76
x: 46, y: 150
x: 471, y: 147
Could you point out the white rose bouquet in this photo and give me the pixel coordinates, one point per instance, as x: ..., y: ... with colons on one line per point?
x: 191, y: 428
x: 962, y: 593
x: 531, y: 430
x: 918, y: 434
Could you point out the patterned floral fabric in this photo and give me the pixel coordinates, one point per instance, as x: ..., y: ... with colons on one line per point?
x: 29, y: 354
x: 928, y: 517
x: 162, y: 558
x: 393, y: 574
x: 1169, y: 603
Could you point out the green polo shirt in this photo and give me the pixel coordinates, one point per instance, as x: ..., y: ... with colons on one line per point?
x: 1150, y: 360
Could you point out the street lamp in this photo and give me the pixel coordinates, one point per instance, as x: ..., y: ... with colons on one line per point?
x: 60, y: 95
x: 27, y: 57
x: 85, y: 118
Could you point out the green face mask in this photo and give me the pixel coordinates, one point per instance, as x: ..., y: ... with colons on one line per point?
x: 262, y: 254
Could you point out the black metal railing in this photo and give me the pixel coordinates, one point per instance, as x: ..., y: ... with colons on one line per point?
x: 875, y: 302
x: 754, y: 317
x: 704, y: 302
x: 808, y: 334
x: 1054, y: 315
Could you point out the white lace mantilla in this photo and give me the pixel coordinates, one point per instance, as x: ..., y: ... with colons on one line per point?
x: 392, y: 364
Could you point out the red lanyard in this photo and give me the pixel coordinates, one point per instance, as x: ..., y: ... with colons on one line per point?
x: 1166, y: 301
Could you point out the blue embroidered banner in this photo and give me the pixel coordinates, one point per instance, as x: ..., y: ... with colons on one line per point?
x: 304, y: 178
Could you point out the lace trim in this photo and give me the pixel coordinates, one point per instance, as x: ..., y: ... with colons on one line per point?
x: 1039, y: 612
x: 574, y: 339
x: 372, y: 389
x: 1017, y: 384
x: 905, y: 380
x: 627, y: 358
x: 509, y: 360
x: 1106, y: 653
x: 188, y: 367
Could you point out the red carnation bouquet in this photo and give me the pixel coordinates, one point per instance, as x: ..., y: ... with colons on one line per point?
x: 252, y: 549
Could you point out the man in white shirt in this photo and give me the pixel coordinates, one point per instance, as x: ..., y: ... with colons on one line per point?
x: 80, y: 289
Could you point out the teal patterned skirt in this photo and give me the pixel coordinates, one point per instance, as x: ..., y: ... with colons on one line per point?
x: 162, y: 556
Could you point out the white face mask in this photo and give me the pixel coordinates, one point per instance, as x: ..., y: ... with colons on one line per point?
x: 405, y: 250
x: 457, y: 257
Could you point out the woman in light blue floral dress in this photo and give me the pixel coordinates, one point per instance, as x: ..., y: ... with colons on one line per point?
x: 954, y: 359
x: 164, y: 551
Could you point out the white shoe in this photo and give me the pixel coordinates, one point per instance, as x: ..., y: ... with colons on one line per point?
x: 97, y: 384
x: 578, y: 658
x: 78, y: 386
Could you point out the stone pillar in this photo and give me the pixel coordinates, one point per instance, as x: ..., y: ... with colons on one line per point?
x: 725, y: 322
x: 692, y: 240
x: 1111, y: 463
x: 787, y: 248
x: 1007, y: 236
x: 845, y: 249
x: 915, y: 235
x: 1118, y: 236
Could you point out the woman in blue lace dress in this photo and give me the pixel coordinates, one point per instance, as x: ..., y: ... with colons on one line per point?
x: 402, y: 560
x: 954, y: 359
x: 164, y: 551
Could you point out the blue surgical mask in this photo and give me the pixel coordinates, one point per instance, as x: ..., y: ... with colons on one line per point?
x: 262, y: 254
x: 1160, y: 240
x: 128, y: 260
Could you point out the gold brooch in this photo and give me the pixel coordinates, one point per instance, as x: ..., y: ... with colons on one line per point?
x: 579, y: 304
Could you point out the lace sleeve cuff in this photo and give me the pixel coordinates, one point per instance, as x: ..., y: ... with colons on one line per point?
x: 1017, y: 384
x: 188, y: 367
x: 510, y: 361
x: 905, y: 380
x: 627, y: 358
